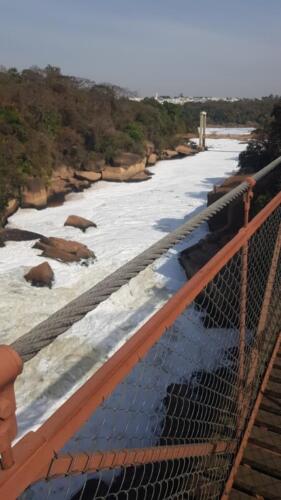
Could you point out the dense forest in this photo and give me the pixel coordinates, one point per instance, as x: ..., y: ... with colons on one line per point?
x: 263, y: 149
x: 267, y: 144
x: 246, y: 112
x: 47, y: 119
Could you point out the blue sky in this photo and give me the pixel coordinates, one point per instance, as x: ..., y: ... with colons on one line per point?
x: 198, y: 47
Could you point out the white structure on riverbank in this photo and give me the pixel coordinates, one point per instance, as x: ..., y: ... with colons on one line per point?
x: 181, y: 100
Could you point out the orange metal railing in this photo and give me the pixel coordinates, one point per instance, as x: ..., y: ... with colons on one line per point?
x: 198, y: 432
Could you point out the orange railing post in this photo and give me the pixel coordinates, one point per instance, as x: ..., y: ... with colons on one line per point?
x: 11, y: 366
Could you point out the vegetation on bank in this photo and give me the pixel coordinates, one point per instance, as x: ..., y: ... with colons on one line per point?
x: 47, y: 119
x: 246, y: 112
x: 260, y: 151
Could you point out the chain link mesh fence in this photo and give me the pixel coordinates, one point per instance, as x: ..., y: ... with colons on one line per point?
x: 195, y: 387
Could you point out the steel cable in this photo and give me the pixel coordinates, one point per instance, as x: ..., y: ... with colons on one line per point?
x: 29, y: 344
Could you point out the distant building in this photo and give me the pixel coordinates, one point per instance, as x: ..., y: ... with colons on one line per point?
x: 185, y: 99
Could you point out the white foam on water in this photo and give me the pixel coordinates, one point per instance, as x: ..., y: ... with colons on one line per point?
x: 130, y: 217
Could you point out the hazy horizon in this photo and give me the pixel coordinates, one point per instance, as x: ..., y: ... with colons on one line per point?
x: 197, y: 49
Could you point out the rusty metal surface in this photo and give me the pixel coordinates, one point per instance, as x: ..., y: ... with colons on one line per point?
x: 10, y: 367
x: 196, y: 397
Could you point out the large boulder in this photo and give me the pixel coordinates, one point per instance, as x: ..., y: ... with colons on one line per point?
x: 152, y: 159
x: 41, y: 275
x: 34, y: 194
x: 126, y: 160
x: 79, y: 222
x: 125, y: 166
x: 63, y: 182
x: 168, y: 154
x: 141, y: 176
x: 88, y: 176
x: 63, y: 250
x: 9, y: 234
x: 185, y: 150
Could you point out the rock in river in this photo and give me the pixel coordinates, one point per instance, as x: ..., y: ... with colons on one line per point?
x: 10, y: 234
x: 63, y: 250
x: 41, y: 275
x: 79, y: 222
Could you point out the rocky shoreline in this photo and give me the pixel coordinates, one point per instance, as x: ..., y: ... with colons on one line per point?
x: 225, y: 224
x: 126, y: 167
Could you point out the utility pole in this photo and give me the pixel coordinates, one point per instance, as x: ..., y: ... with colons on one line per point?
x: 202, y: 130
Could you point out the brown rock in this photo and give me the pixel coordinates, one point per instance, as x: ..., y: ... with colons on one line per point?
x: 88, y: 176
x: 152, y: 159
x: 126, y: 171
x: 63, y: 250
x: 141, y: 176
x: 56, y: 253
x: 192, y: 260
x: 34, y: 194
x: 232, y: 215
x: 41, y: 275
x: 126, y: 160
x: 79, y: 222
x: 62, y: 183
x: 57, y: 186
x: 168, y: 154
x: 184, y: 150
x: 8, y: 234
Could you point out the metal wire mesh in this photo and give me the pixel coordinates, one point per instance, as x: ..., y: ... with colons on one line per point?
x: 197, y: 385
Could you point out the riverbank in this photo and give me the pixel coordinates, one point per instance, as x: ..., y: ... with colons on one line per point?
x: 129, y: 218
x: 126, y: 167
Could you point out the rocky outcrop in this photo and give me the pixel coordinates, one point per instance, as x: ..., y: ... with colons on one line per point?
x: 9, y: 210
x: 88, y: 175
x: 66, y: 179
x: 152, y: 159
x: 233, y: 215
x: 168, y: 154
x: 41, y: 275
x: 63, y: 250
x: 196, y: 256
x: 125, y: 166
x: 142, y: 176
x: 185, y: 150
x: 63, y: 182
x: 8, y: 234
x: 79, y: 222
x: 216, y: 299
x: 34, y: 194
